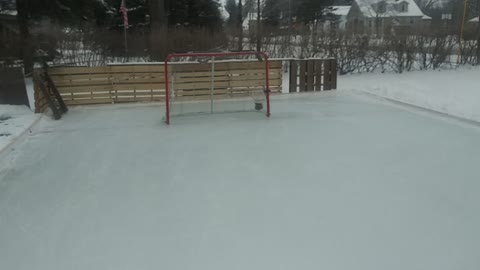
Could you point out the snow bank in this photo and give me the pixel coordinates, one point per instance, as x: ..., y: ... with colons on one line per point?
x: 453, y: 92
x: 14, y: 120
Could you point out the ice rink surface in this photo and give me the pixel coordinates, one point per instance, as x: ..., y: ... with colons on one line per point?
x: 335, y: 181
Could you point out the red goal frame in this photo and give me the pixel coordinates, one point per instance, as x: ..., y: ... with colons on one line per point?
x: 260, y: 55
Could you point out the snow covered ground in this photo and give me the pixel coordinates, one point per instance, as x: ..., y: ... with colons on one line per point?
x: 14, y: 120
x: 335, y: 180
x: 454, y: 92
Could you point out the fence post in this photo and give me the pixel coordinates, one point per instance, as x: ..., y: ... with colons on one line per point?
x: 318, y: 75
x: 303, y: 71
x: 327, y: 78
x: 293, y: 76
x: 310, y: 75
x: 334, y: 73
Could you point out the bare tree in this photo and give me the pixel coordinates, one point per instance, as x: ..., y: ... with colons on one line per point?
x: 478, y: 33
x: 240, y: 25
x: 427, y: 5
x: 158, y: 29
x: 259, y: 26
x: 27, y: 46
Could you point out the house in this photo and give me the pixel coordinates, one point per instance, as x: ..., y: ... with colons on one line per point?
x: 337, y: 18
x: 473, y: 21
x: 383, y: 16
x: 472, y: 26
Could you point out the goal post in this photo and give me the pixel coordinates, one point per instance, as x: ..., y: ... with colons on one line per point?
x: 264, y: 81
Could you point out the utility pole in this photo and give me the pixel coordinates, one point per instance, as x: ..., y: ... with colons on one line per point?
x: 240, y: 25
x: 259, y: 36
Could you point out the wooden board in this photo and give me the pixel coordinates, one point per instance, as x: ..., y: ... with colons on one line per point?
x: 293, y: 76
x: 303, y: 69
x: 77, y: 70
x: 223, y: 66
x: 179, y: 78
x: 310, y: 76
x: 129, y: 83
x: 228, y: 84
x: 318, y: 75
x: 333, y: 71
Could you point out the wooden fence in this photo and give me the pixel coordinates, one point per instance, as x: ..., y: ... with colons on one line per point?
x: 190, y: 81
x: 309, y: 75
x: 41, y: 101
x: 146, y: 82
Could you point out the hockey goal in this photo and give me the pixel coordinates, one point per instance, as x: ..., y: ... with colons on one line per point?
x: 208, y: 83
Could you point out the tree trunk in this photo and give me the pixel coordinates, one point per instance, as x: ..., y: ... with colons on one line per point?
x: 259, y: 21
x: 26, y: 39
x: 158, y: 29
x: 240, y: 25
x: 478, y: 33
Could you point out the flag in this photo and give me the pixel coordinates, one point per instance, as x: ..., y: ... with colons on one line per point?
x: 124, y: 11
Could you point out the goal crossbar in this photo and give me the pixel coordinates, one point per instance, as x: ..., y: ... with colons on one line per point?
x: 260, y: 55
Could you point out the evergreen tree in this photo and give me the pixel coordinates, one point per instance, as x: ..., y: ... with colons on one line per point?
x: 272, y: 12
x: 194, y: 13
x: 308, y: 11
x: 232, y: 9
x: 7, y: 5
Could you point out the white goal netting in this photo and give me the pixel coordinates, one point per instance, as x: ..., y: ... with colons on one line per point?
x: 214, y: 85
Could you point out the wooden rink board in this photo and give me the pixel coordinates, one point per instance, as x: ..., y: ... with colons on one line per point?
x: 144, y: 83
x: 313, y: 75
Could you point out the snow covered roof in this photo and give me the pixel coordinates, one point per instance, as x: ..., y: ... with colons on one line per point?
x: 340, y: 10
x: 474, y: 19
x: 368, y: 7
x: 425, y: 17
x: 223, y: 12
x: 8, y: 12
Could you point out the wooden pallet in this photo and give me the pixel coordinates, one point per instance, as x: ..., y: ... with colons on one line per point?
x: 50, y: 93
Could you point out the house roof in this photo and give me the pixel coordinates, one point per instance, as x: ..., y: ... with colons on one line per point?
x: 224, y: 13
x: 8, y: 12
x: 340, y: 10
x: 425, y: 17
x: 474, y: 19
x: 366, y: 7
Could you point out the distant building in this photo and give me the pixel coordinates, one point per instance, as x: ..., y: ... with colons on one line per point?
x: 337, y: 18
x: 474, y: 20
x: 472, y: 25
x: 382, y: 16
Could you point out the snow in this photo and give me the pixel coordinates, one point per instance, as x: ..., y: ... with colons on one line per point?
x: 474, y: 19
x: 453, y: 92
x: 336, y: 180
x: 30, y: 92
x: 223, y: 12
x: 8, y: 12
x: 340, y: 10
x: 14, y: 120
x: 367, y: 8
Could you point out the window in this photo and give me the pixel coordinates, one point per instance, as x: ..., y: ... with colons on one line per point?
x: 412, y: 21
x: 404, y: 7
